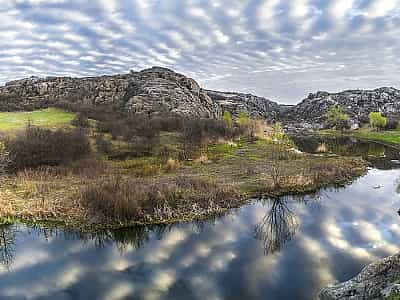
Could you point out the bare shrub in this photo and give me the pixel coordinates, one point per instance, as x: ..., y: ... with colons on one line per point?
x: 81, y: 120
x: 103, y: 146
x: 5, y: 160
x: 37, y: 146
x: 171, y: 165
x: 124, y: 200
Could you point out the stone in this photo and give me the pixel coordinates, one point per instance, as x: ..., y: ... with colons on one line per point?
x: 254, y: 106
x: 376, y: 281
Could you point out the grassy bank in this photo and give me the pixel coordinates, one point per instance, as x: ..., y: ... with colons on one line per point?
x: 50, y: 118
x: 391, y: 137
x: 171, y: 181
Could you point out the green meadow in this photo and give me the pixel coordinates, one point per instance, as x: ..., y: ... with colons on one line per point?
x: 50, y: 117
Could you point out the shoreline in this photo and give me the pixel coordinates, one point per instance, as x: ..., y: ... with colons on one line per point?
x: 84, y: 221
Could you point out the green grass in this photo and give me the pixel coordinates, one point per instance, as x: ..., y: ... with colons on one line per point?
x: 50, y: 117
x: 392, y: 137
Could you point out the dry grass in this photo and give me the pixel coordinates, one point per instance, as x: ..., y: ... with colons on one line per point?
x: 116, y: 199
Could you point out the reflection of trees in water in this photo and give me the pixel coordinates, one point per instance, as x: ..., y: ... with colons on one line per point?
x: 135, y: 236
x: 277, y: 227
x: 8, y: 235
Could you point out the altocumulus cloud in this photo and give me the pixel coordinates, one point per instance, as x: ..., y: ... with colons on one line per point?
x: 278, y: 49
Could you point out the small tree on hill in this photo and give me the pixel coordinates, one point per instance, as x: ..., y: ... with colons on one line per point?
x: 377, y: 121
x: 337, y: 118
x: 228, y: 119
x: 243, y: 119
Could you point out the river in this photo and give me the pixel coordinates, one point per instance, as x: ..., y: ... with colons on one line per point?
x: 287, y: 248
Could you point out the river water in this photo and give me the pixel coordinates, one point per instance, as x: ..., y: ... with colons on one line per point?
x: 287, y: 248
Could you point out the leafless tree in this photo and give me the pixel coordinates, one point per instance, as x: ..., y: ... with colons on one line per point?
x: 277, y: 227
x: 7, y: 242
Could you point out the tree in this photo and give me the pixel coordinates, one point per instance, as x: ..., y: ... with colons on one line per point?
x: 377, y: 121
x: 337, y: 117
x: 243, y: 119
x: 228, y: 119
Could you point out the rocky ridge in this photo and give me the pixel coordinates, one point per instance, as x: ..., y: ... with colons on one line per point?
x: 160, y: 90
x: 376, y: 281
x: 154, y: 90
x: 356, y: 103
x: 254, y: 106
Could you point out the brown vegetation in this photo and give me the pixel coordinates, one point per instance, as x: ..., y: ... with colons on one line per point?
x: 155, y: 170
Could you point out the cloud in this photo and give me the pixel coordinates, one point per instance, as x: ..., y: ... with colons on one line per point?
x: 227, y: 45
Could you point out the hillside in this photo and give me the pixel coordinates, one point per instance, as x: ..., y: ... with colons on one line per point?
x: 149, y: 91
x: 255, y: 106
x: 160, y: 90
x: 357, y: 104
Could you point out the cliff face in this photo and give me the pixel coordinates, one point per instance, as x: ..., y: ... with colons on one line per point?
x: 149, y: 91
x: 356, y: 103
x: 255, y: 106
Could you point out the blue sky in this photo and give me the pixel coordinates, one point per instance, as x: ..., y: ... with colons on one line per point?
x: 278, y: 49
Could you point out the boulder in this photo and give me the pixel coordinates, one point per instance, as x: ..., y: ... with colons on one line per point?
x: 376, y: 281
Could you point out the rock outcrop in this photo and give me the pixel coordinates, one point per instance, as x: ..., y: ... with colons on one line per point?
x: 356, y: 103
x: 160, y: 90
x: 376, y: 281
x: 254, y: 106
x: 151, y: 91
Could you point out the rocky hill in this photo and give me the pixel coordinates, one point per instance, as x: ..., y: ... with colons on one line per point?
x: 160, y: 90
x: 357, y: 104
x: 149, y: 91
x: 255, y: 106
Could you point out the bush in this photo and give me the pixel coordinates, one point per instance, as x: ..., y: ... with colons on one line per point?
x: 392, y: 123
x: 337, y: 118
x: 81, y: 120
x: 228, y: 119
x: 37, y: 146
x: 103, y: 146
x: 4, y: 159
x: 124, y: 200
x: 377, y: 121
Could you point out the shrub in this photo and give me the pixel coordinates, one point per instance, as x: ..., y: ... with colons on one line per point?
x: 124, y: 200
x: 377, y: 121
x: 337, y: 118
x: 228, y: 119
x: 4, y: 159
x: 392, y: 123
x: 171, y: 164
x: 37, y: 146
x: 103, y: 146
x: 81, y: 120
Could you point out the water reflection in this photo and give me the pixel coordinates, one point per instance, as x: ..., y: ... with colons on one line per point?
x: 311, y: 242
x: 380, y: 156
x: 7, y: 243
x: 277, y: 227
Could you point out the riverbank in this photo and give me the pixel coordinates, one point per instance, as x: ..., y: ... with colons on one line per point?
x: 391, y: 138
x: 101, y: 193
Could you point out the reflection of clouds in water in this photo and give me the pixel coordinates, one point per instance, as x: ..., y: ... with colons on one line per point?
x: 336, y: 236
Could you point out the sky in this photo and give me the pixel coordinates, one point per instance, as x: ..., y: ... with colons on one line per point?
x: 281, y: 50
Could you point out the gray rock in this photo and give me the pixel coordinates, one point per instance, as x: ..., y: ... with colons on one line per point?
x: 256, y: 107
x: 375, y: 281
x: 151, y: 91
x: 356, y: 103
